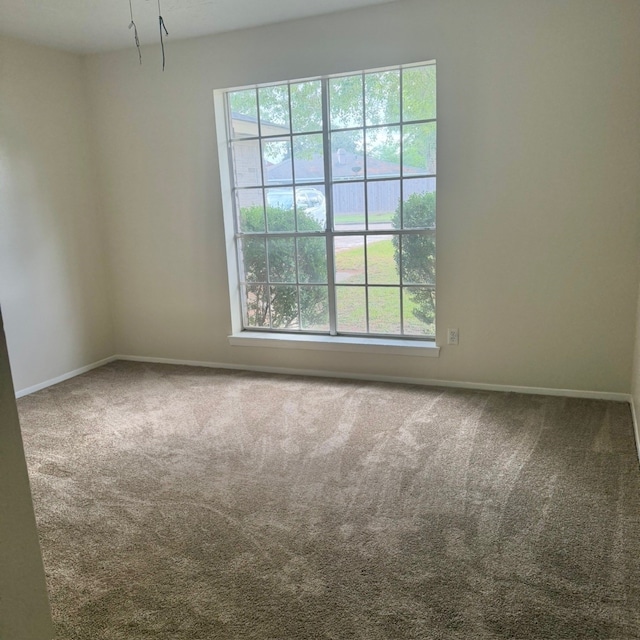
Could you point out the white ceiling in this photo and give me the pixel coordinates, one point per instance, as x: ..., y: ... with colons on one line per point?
x: 86, y: 26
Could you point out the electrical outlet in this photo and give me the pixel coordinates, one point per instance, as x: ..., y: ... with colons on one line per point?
x: 452, y: 336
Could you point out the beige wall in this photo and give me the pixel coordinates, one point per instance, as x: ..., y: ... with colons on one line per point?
x: 52, y: 274
x: 24, y: 608
x: 538, y: 184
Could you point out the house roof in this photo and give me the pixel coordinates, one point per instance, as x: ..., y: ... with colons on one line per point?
x: 247, y: 126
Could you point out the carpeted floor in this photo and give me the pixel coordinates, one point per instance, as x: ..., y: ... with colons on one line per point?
x: 182, y: 503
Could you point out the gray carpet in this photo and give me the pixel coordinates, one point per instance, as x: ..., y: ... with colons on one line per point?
x: 185, y: 503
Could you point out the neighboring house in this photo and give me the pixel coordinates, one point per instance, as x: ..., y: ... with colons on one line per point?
x: 247, y: 152
x: 348, y: 197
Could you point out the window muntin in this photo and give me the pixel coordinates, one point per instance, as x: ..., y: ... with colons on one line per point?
x: 334, y: 183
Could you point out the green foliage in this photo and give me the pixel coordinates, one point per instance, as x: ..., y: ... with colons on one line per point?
x: 381, y: 106
x: 345, y: 102
x: 418, y: 252
x: 274, y: 105
x: 282, y: 299
x: 382, y: 97
x: 306, y: 106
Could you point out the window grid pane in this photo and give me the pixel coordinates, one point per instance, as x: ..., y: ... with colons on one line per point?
x: 382, y: 134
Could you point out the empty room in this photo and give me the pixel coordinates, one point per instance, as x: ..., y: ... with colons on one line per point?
x: 320, y: 320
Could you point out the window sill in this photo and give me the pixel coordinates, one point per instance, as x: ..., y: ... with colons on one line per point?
x: 422, y: 348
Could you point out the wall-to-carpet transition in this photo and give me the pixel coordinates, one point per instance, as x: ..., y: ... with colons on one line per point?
x: 182, y: 503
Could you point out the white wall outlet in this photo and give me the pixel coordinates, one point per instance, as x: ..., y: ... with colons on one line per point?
x: 452, y: 336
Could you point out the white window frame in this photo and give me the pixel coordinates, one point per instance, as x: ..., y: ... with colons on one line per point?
x: 265, y: 337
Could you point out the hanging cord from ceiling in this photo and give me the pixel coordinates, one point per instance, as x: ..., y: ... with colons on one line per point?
x: 135, y: 32
x: 162, y: 26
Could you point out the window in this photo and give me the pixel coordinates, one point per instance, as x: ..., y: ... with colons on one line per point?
x: 333, y: 183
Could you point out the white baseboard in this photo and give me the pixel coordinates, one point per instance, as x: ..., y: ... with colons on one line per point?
x: 570, y: 393
x: 63, y: 377
x: 636, y: 429
x: 318, y: 373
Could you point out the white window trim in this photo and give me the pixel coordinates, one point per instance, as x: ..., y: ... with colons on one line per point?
x: 243, y: 338
x: 315, y: 342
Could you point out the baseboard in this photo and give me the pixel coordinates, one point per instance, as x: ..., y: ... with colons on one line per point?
x: 636, y: 429
x: 63, y: 377
x: 319, y: 373
x: 570, y: 393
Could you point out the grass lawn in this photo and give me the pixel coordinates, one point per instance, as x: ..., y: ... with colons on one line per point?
x: 384, y: 302
x: 358, y: 218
